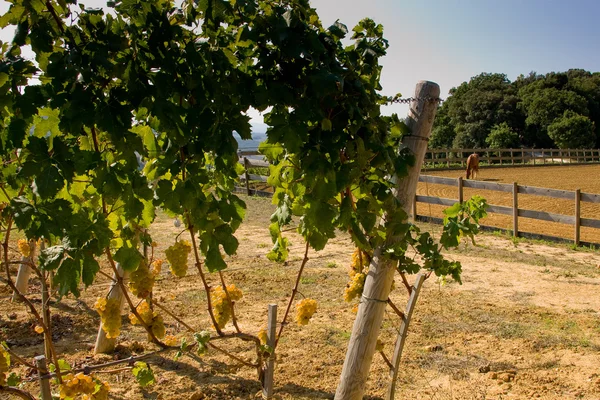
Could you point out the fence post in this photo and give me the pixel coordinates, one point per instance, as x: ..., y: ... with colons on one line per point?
x: 269, y: 370
x: 543, y: 157
x: 247, y: 175
x: 515, y: 209
x: 460, y: 189
x: 414, y: 209
x: 512, y: 157
x: 40, y: 363
x: 577, y: 216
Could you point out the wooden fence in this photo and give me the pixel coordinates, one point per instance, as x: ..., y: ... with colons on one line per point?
x: 449, y: 158
x: 576, y: 196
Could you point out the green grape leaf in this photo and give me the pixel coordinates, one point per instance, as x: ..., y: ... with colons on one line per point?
x: 68, y: 276
x: 129, y: 257
x: 143, y: 374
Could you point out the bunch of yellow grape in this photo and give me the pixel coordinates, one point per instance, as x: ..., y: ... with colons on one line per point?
x: 221, y: 305
x: 305, y: 310
x: 355, y: 287
x: 74, y: 385
x: 150, y: 318
x: 24, y: 248
x: 360, y: 259
x: 4, y: 364
x: 156, y: 266
x: 177, y: 256
x: 358, y: 273
x: 141, y: 281
x: 101, y: 393
x: 110, y: 313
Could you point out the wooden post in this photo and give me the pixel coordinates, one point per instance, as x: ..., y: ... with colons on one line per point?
x: 401, y: 339
x: 271, y: 337
x: 512, y: 157
x: 40, y: 363
x: 247, y: 176
x: 104, y: 344
x: 460, y: 189
x: 414, y: 209
x: 522, y: 157
x: 515, y: 209
x: 543, y: 157
x: 24, y: 273
x: 367, y: 324
x: 577, y: 216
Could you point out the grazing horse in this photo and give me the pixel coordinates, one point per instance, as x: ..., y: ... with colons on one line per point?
x: 472, y: 165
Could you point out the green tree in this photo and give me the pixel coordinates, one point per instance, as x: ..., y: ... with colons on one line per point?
x: 502, y: 136
x: 476, y: 106
x: 572, y: 130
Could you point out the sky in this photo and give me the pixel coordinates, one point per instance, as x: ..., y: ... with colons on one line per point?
x: 450, y: 41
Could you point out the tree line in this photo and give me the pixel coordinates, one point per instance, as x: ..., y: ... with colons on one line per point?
x: 554, y: 110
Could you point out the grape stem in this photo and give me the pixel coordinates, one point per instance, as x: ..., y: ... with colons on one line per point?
x: 294, y: 291
x: 400, y: 313
x: 387, y: 360
x: 203, y: 277
x: 238, y: 359
x: 406, y: 284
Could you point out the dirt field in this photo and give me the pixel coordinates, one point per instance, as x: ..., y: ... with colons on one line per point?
x: 525, y: 324
x: 584, y: 177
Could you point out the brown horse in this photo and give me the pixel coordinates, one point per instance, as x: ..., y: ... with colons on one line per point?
x: 472, y: 165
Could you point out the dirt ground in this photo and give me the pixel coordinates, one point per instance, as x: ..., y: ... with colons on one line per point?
x: 524, y: 324
x: 584, y: 177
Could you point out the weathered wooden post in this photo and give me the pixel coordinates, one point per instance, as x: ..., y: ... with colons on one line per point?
x: 271, y: 338
x: 515, y: 205
x: 24, y: 273
x: 104, y: 344
x: 40, y: 363
x: 247, y: 175
x: 577, y: 216
x: 460, y: 189
x: 378, y: 284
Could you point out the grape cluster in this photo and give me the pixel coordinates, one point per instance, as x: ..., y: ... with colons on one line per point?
x: 177, y: 256
x: 220, y: 303
x: 305, y: 310
x: 110, y: 313
x: 156, y: 266
x: 74, y: 385
x: 171, y: 340
x: 4, y: 364
x: 24, y: 248
x: 149, y: 318
x: 101, y: 392
x: 355, y: 287
x: 141, y: 281
x: 358, y: 273
x: 360, y: 259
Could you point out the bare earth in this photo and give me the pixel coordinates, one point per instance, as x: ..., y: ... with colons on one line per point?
x: 524, y: 324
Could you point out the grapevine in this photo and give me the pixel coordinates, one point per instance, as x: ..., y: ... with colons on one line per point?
x: 110, y: 313
x: 177, y: 256
x: 150, y: 318
x: 305, y: 310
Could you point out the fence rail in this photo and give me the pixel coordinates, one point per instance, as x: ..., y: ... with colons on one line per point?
x: 575, y: 220
x: 449, y: 158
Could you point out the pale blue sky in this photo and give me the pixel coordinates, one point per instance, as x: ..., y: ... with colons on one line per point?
x: 449, y: 41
